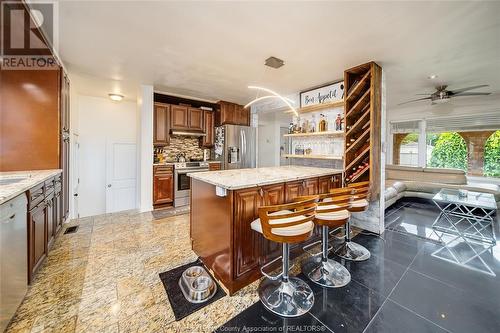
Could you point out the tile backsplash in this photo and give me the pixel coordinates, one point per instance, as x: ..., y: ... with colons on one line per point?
x: 183, y: 144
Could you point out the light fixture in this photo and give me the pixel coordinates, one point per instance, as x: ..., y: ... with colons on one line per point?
x: 115, y: 97
x: 285, y: 100
x: 267, y: 97
x: 432, y: 76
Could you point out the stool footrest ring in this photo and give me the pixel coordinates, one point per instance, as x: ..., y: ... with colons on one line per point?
x: 273, y: 277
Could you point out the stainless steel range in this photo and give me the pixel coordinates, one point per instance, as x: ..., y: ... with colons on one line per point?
x: 182, y: 183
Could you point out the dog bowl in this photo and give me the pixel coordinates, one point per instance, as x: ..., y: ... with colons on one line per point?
x: 197, y: 285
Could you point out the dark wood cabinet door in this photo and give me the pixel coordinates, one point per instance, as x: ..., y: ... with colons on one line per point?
x: 161, y: 124
x: 195, y: 118
x: 336, y: 181
x: 272, y: 195
x: 324, y: 184
x: 57, y: 211
x: 293, y: 189
x: 209, y: 123
x: 163, y: 188
x: 214, y: 166
x: 310, y: 186
x: 179, y: 117
x: 51, y: 219
x: 242, y: 115
x: 246, y: 241
x: 37, y: 231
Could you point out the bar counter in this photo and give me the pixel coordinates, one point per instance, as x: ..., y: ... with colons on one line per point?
x: 224, y: 203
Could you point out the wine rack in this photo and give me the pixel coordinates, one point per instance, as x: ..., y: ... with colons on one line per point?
x: 362, y: 120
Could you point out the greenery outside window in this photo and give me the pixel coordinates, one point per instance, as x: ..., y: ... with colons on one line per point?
x: 446, y: 150
x: 492, y: 155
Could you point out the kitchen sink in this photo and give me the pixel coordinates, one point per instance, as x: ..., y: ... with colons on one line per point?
x: 9, y: 181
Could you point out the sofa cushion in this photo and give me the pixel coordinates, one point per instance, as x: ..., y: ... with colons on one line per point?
x: 447, y: 176
x: 398, y: 185
x: 390, y: 192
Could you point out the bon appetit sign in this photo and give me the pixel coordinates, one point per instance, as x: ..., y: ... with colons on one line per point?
x: 330, y: 93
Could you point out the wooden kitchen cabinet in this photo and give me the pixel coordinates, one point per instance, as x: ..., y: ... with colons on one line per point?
x: 161, y: 124
x: 163, y: 185
x: 231, y: 113
x: 310, y: 186
x: 209, y: 123
x: 57, y: 208
x: 65, y: 142
x: 326, y: 183
x: 246, y: 240
x: 195, y: 117
x: 293, y: 190
x: 179, y: 117
x: 272, y: 195
x: 214, y: 166
x: 37, y: 231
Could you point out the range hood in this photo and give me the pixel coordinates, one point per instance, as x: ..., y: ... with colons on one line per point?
x: 185, y: 133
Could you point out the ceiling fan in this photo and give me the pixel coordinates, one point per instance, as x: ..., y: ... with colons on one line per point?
x: 442, y: 95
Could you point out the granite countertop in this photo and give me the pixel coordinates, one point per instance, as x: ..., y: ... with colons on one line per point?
x: 244, y: 178
x: 172, y: 163
x: 28, y: 179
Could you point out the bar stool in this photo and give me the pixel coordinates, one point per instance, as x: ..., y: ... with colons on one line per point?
x: 286, y: 224
x: 332, y: 212
x: 350, y: 250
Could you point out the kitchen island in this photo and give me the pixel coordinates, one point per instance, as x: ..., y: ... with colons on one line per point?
x: 224, y: 203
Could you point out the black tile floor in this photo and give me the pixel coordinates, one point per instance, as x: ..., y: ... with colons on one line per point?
x: 408, y: 285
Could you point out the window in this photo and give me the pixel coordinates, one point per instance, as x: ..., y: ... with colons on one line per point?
x: 446, y: 150
x: 408, y: 150
x: 492, y: 155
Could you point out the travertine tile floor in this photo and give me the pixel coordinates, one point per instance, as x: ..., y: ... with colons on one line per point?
x: 104, y: 278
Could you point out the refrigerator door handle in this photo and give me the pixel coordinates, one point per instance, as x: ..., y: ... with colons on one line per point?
x: 244, y: 146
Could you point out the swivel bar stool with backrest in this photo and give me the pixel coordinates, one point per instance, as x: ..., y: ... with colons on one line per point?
x: 332, y: 212
x: 286, y: 224
x: 350, y: 250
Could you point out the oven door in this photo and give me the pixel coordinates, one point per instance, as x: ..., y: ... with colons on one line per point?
x: 182, y: 182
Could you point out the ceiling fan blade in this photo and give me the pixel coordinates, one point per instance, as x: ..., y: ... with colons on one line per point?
x: 459, y: 91
x: 423, y: 94
x: 415, y: 100
x: 471, y: 94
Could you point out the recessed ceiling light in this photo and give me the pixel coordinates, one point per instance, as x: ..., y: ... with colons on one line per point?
x: 432, y: 76
x: 116, y: 97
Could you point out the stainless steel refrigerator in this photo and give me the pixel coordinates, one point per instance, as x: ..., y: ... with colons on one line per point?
x: 235, y: 146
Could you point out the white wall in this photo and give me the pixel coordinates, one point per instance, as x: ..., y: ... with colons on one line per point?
x: 99, y: 120
x: 268, y: 140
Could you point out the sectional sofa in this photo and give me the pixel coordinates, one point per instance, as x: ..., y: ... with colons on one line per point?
x: 416, y: 182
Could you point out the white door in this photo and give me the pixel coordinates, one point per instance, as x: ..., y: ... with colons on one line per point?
x: 76, y: 174
x: 121, y: 176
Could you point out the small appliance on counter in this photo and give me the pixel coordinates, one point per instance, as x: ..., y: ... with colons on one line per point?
x: 206, y: 155
x: 197, y: 285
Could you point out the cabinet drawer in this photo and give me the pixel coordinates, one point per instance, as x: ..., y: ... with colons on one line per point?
x: 162, y: 169
x: 49, y: 186
x: 35, y: 195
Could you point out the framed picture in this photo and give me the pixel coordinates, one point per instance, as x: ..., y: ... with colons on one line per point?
x: 321, y: 95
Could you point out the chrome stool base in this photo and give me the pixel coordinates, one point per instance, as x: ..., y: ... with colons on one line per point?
x: 290, y: 297
x: 327, y: 273
x: 352, y: 251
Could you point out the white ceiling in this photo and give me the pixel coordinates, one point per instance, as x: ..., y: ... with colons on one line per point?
x: 214, y: 50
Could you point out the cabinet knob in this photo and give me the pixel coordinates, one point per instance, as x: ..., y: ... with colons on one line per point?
x: 109, y: 185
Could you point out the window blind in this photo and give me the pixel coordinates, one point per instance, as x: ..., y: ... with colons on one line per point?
x: 476, y: 122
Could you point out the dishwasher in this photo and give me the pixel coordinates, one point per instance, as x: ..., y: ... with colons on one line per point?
x: 13, y: 257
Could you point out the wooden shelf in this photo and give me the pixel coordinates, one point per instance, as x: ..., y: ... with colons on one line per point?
x: 358, y: 158
x: 316, y: 157
x: 332, y: 133
x: 360, y: 104
x: 359, y: 174
x: 358, y: 88
x: 319, y: 107
x: 361, y: 121
x: 358, y: 142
